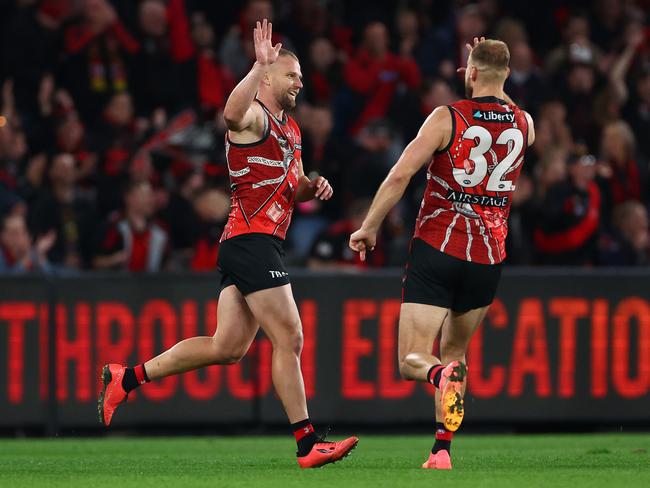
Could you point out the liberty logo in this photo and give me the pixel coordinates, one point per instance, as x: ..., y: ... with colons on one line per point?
x: 493, y: 116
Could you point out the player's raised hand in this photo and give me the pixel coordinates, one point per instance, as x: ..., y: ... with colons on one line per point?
x: 470, y: 48
x: 265, y: 52
x: 362, y: 241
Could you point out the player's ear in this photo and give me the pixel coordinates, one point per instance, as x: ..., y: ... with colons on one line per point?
x: 507, y: 71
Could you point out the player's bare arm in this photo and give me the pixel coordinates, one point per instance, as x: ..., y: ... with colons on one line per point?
x: 531, y: 129
x: 308, y: 189
x: 245, y: 119
x: 433, y: 135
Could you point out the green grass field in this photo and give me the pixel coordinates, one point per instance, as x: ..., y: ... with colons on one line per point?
x: 612, y: 460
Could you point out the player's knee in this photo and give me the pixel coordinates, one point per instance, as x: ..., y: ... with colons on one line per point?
x: 291, y: 341
x: 231, y: 356
x: 405, y: 370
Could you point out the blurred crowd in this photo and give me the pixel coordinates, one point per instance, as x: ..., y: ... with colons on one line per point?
x: 112, y: 138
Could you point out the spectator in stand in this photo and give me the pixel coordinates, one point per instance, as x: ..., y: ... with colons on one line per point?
x: 620, y: 178
x: 116, y: 141
x: 628, y: 243
x: 100, y: 51
x: 568, y: 217
x: 519, y: 242
x: 237, y: 50
x: 331, y: 250
x: 323, y: 153
x: 374, y: 74
x: 512, y: 32
x: 323, y: 73
x: 435, y: 93
x: 212, y: 206
x: 214, y: 81
x: 551, y: 130
x: 524, y: 85
x: 179, y: 215
x: 29, y: 44
x: 575, y: 42
x: 376, y: 151
x: 131, y: 241
x: 637, y: 111
x: 17, y: 254
x: 163, y: 72
x: 578, y: 89
x: 67, y: 213
x: 608, y: 21
x: 446, y: 49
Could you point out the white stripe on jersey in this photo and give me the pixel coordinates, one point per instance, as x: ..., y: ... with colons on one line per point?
x: 269, y: 182
x: 469, y: 240
x: 441, y: 182
x: 435, y: 213
x: 485, y: 240
x: 264, y: 161
x: 448, y: 234
x: 241, y: 172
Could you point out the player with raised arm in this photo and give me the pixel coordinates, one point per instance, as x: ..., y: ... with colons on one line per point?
x: 263, y: 148
x: 475, y: 150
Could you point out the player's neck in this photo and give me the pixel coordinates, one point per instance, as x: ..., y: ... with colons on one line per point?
x: 488, y: 91
x: 271, y: 104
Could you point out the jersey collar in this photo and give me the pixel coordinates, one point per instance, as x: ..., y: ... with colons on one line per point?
x: 489, y: 99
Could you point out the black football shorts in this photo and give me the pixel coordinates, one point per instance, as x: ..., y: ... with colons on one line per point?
x: 252, y: 262
x: 435, y: 278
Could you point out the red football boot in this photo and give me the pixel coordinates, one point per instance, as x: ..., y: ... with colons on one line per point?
x: 326, y: 452
x: 452, y: 380
x: 112, y: 393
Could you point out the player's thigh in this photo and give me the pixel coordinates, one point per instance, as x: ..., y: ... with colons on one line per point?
x: 277, y: 313
x: 419, y: 325
x: 236, y: 324
x: 458, y: 331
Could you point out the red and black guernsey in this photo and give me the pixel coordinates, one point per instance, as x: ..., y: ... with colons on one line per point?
x: 470, y: 182
x: 264, y: 179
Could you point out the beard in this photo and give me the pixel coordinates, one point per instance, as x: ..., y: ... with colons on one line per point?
x: 287, y: 102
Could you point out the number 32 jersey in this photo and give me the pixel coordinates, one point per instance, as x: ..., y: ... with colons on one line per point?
x: 470, y: 183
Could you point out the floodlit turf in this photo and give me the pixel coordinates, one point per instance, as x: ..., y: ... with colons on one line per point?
x: 615, y: 460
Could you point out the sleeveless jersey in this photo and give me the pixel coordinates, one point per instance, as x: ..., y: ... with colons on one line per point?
x: 264, y: 179
x: 465, y: 207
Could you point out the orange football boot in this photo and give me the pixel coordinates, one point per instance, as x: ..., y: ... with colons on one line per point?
x: 326, y: 452
x: 452, y: 380
x: 439, y: 460
x: 112, y: 393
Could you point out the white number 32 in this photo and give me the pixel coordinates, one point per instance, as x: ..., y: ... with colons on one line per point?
x: 515, y: 141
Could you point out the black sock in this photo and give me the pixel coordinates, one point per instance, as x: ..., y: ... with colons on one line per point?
x: 436, y: 370
x: 129, y: 382
x: 303, y: 431
x: 443, y: 439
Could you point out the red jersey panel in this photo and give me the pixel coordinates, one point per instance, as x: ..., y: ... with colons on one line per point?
x: 466, y: 203
x: 264, y: 179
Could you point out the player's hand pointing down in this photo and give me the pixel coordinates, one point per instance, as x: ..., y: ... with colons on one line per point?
x: 363, y: 240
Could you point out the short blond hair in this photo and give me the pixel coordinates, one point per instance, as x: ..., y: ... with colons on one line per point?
x: 492, y: 57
